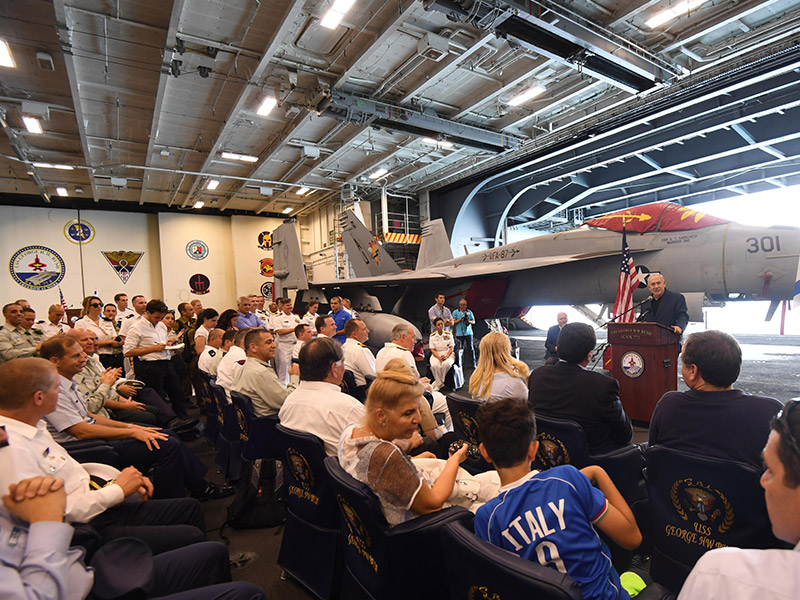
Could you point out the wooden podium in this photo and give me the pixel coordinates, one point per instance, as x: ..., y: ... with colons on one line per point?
x: 645, y: 362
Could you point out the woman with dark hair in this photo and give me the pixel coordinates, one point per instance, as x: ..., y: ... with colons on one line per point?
x: 227, y: 320
x: 207, y: 321
x: 92, y: 319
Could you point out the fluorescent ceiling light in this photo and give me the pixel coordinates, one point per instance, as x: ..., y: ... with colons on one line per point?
x: 439, y: 143
x: 199, y: 204
x: 673, y: 12
x: 62, y: 191
x: 302, y: 191
x: 6, y: 60
x: 32, y: 124
x: 378, y: 173
x: 336, y: 13
x: 527, y: 95
x: 41, y: 165
x: 212, y: 184
x: 287, y: 210
x: 266, y: 106
x: 242, y: 157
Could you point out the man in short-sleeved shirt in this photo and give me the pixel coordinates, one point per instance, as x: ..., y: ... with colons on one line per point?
x: 15, y: 340
x: 257, y: 379
x: 208, y: 360
x: 440, y: 311
x: 357, y: 357
x: 340, y: 317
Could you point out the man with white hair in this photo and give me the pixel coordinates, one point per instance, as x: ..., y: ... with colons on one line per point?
x: 246, y: 318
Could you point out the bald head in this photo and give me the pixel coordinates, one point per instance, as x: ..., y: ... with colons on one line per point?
x: 215, y: 338
x: 22, y: 379
x: 85, y: 338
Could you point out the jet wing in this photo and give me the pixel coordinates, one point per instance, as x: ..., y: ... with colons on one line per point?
x: 488, y: 267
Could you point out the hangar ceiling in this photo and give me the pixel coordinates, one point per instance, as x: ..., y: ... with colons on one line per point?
x: 151, y: 102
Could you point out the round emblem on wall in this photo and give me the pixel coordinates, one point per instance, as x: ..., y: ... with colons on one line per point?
x: 37, y: 267
x: 265, y: 240
x: 79, y: 231
x: 199, y: 284
x: 632, y: 364
x: 197, y: 249
x: 266, y: 267
x: 266, y: 290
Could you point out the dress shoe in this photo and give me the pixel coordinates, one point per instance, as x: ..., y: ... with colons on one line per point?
x: 212, y: 491
x: 176, y: 423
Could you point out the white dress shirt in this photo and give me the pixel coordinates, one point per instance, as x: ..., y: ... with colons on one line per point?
x: 143, y: 334
x: 358, y: 359
x: 49, y: 329
x: 229, y: 366
x: 284, y: 321
x: 209, y: 360
x: 322, y: 409
x: 391, y: 350
x: 34, y: 452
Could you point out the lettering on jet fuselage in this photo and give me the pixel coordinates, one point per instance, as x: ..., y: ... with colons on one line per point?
x: 766, y: 244
x: 501, y: 254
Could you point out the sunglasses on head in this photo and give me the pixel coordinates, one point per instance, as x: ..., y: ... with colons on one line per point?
x: 782, y: 425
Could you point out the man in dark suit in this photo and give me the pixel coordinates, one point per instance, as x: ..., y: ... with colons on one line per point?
x: 567, y: 390
x: 552, y: 339
x: 667, y: 308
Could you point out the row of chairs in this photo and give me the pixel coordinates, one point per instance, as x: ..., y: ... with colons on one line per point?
x: 685, y: 504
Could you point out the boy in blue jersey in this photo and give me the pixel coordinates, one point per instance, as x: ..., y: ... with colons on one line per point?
x: 550, y: 516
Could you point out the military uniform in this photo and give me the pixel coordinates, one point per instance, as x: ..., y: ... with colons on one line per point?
x: 258, y: 380
x: 443, y: 343
x: 285, y: 342
x: 209, y: 360
x: 17, y: 342
x: 358, y: 359
x: 50, y: 330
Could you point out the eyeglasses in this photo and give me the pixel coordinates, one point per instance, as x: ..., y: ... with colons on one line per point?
x: 95, y: 305
x: 782, y: 422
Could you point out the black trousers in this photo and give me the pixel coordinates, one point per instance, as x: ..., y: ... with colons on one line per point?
x: 161, y: 376
x: 175, y: 467
x: 161, y: 524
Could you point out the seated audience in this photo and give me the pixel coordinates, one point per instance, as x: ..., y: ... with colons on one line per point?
x: 174, y: 466
x: 498, y: 375
x: 739, y: 574
x: 229, y: 319
x: 550, y: 516
x: 28, y: 324
x: 246, y: 317
x: 367, y: 452
x: 711, y: 418
x: 41, y: 564
x: 357, y: 357
x: 567, y: 390
x: 92, y: 319
x: 53, y: 324
x: 233, y: 360
x: 29, y: 390
x: 257, y: 379
x: 318, y: 405
x: 206, y: 321
x: 208, y: 361
x: 14, y: 341
x: 442, y: 346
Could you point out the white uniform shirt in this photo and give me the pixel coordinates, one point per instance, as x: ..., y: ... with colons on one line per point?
x: 297, y: 346
x: 143, y: 334
x: 209, y: 360
x: 322, y: 409
x: 104, y: 330
x: 391, y: 350
x: 34, y: 452
x: 229, y: 366
x: 127, y: 323
x: 737, y: 574
x: 49, y: 330
x: 284, y: 321
x: 441, y: 343
x: 310, y: 319
x: 358, y: 359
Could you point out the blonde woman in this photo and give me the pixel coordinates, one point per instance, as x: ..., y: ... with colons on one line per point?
x: 392, y: 412
x: 498, y: 375
x: 92, y: 319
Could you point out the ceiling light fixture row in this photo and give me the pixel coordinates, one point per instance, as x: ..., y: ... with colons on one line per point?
x: 336, y: 13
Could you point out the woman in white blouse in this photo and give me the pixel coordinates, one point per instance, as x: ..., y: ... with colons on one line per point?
x: 92, y: 319
x: 498, y: 375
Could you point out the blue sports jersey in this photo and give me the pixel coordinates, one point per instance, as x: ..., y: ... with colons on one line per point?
x: 340, y: 317
x: 547, y: 517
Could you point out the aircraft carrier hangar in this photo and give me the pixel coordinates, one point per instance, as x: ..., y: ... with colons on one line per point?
x: 502, y: 117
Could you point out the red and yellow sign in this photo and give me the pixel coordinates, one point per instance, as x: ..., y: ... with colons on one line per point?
x: 402, y: 238
x: 660, y: 216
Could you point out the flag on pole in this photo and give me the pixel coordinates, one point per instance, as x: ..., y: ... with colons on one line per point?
x: 628, y: 281
x: 63, y: 304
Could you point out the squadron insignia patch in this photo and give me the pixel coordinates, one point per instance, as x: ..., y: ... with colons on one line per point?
x: 37, y: 267
x: 123, y: 262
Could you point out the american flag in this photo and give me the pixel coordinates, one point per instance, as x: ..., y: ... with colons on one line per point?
x: 628, y: 281
x: 63, y: 304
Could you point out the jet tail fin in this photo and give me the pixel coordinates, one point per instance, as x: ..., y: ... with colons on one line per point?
x: 435, y: 246
x: 289, y: 271
x: 367, y: 257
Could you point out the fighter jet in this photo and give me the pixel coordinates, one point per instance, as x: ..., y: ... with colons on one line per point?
x: 701, y: 256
